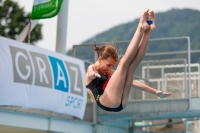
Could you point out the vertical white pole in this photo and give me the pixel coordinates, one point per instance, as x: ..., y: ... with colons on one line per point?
x: 198, y: 78
x: 163, y: 78
x: 158, y: 85
x: 143, y: 77
x: 185, y: 80
x: 62, y: 28
x: 189, y: 73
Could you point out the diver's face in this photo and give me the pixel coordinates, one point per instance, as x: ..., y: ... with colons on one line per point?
x: 106, y: 65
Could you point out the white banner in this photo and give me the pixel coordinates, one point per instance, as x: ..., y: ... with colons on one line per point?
x: 37, y: 78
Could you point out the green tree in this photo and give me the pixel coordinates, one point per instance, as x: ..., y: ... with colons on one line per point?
x: 13, y: 20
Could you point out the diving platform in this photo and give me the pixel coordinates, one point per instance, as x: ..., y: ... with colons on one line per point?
x: 95, y: 117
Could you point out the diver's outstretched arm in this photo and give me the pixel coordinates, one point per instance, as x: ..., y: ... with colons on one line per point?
x: 143, y: 87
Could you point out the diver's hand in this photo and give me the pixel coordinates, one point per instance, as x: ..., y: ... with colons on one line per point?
x: 95, y: 72
x: 163, y: 94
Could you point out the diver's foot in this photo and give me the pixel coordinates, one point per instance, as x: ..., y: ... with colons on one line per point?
x: 152, y: 17
x: 143, y: 25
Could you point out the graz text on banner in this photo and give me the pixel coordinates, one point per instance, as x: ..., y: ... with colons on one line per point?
x: 38, y: 78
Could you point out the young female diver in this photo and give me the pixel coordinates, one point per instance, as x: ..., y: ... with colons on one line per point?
x: 110, y: 88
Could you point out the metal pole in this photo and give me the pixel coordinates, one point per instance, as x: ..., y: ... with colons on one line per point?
x: 148, y: 76
x: 94, y: 108
x: 62, y: 28
x: 143, y: 77
x: 198, y: 82
x: 185, y: 80
x: 163, y: 78
x: 74, y: 51
x: 189, y: 71
x: 95, y: 56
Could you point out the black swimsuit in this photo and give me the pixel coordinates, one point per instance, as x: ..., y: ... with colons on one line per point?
x: 96, y: 86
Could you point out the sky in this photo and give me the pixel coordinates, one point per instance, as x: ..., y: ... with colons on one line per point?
x: 87, y: 18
